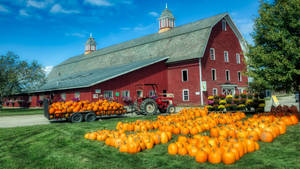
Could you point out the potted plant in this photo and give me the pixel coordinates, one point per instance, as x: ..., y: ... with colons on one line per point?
x: 228, y: 107
x: 236, y: 96
x: 229, y: 98
x: 236, y: 101
x: 243, y: 95
x: 209, y: 108
x: 241, y: 107
x: 221, y: 107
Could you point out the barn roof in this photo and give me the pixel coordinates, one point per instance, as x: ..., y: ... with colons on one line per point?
x: 92, y: 77
x: 180, y: 43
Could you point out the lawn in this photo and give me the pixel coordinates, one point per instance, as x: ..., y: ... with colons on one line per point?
x: 15, y: 112
x: 61, y: 145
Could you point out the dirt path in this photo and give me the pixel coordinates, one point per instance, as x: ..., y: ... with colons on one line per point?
x: 25, y: 120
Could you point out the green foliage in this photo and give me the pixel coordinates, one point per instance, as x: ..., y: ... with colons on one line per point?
x: 17, y: 75
x: 274, y: 60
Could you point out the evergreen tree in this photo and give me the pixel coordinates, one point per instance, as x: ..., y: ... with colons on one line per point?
x: 274, y: 60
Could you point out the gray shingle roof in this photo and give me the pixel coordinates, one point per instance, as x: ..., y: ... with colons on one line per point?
x: 181, y: 43
x: 95, y: 76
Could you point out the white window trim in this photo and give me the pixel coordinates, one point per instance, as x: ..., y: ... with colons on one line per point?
x: 227, y: 56
x: 78, y: 95
x: 224, y: 28
x: 140, y: 91
x: 153, y: 92
x: 214, y: 54
x: 212, y: 74
x: 65, y: 96
x: 183, y: 95
x: 240, y: 76
x: 127, y: 92
x: 187, y: 75
x: 112, y: 92
x: 238, y: 58
x: 228, y: 75
x: 216, y: 91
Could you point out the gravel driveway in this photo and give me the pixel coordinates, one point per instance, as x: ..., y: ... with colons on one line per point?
x: 25, y: 120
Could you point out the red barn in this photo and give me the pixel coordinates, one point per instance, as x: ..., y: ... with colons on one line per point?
x: 192, y: 61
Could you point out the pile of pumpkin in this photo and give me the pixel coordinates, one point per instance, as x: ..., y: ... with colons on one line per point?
x: 100, y: 107
x: 230, y: 138
x: 179, y: 124
x: 131, y: 143
x: 213, y: 149
x: 230, y: 142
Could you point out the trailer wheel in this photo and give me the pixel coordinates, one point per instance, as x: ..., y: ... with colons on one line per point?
x: 90, y: 117
x: 171, y: 109
x: 76, y: 118
x: 149, y: 106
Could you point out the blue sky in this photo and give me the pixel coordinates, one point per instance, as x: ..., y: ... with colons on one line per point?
x: 51, y: 31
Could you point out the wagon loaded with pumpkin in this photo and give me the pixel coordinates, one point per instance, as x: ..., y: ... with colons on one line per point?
x: 82, y: 110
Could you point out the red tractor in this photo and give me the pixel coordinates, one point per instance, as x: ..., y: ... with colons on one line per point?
x: 153, y: 102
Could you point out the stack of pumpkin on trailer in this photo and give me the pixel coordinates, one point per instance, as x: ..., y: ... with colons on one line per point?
x: 229, y: 136
x: 100, y: 107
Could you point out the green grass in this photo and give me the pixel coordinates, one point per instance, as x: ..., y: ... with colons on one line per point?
x: 61, y: 145
x: 15, y: 112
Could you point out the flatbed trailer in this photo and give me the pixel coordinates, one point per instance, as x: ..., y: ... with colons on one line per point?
x: 77, y: 117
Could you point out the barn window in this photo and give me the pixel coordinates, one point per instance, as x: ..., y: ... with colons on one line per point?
x: 227, y: 72
x: 224, y: 25
x: 29, y: 98
x: 184, y: 74
x: 226, y: 58
x: 215, y: 91
x: 77, y: 95
x: 185, y: 95
x: 63, y: 96
x: 41, y: 97
x: 212, y: 54
x: 139, y: 93
x: 213, y: 74
x: 108, y: 94
x: 238, y: 58
x: 152, y: 93
x: 126, y: 93
x: 239, y: 76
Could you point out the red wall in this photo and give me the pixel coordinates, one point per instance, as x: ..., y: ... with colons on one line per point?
x: 222, y: 41
x: 176, y: 85
x: 156, y: 73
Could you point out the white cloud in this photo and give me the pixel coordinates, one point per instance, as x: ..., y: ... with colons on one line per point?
x: 3, y: 9
x: 23, y: 12
x: 98, y: 2
x: 47, y: 69
x: 38, y: 4
x: 76, y: 34
x: 155, y: 14
x: 57, y: 8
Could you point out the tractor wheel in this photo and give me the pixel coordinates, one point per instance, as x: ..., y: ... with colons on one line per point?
x: 171, y: 109
x: 76, y: 118
x: 148, y: 107
x: 90, y: 117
